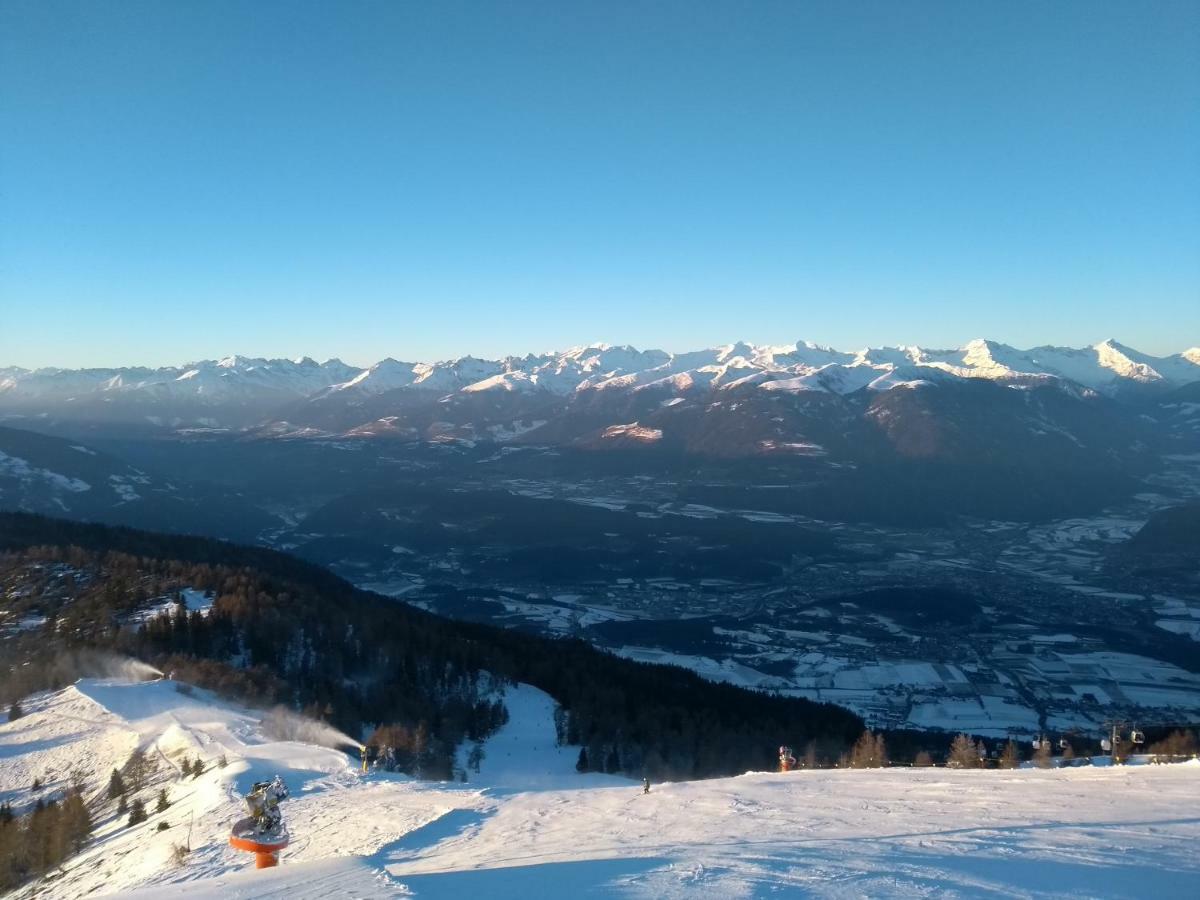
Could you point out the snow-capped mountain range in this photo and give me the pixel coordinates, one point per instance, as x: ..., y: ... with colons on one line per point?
x: 232, y: 379
x: 304, y: 396
x: 1106, y: 367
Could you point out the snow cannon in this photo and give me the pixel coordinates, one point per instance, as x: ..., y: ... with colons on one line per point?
x: 266, y: 852
x: 262, y: 832
x: 787, y: 759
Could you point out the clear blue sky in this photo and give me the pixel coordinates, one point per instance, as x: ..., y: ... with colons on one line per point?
x: 191, y: 179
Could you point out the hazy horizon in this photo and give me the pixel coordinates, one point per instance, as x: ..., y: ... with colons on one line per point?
x: 357, y: 361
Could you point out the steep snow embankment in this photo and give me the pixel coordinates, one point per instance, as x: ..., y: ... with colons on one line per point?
x: 91, y: 728
x: 527, y: 825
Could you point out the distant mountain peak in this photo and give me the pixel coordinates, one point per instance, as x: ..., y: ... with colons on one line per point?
x: 239, y: 391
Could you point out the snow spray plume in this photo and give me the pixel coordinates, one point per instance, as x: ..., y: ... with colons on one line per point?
x: 282, y: 724
x: 100, y: 664
x: 131, y: 669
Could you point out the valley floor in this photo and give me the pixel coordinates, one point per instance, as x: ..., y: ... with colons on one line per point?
x: 527, y: 825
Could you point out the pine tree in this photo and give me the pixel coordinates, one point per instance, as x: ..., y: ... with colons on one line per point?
x: 420, y: 746
x: 595, y: 754
x: 15, y: 712
x: 475, y: 757
x: 137, y: 812
x: 185, y: 767
x: 122, y: 805
x: 76, y: 821
x: 1011, y: 757
x: 138, y: 769
x: 867, y: 751
x: 612, y: 762
x: 560, y: 725
x: 43, y: 839
x: 810, y: 756
x: 582, y: 764
x: 116, y: 785
x: 881, y: 754
x: 572, y: 729
x: 1177, y: 744
x: 923, y: 759
x: 163, y: 803
x: 1043, y: 757
x: 198, y: 768
x: 860, y: 754
x: 963, y: 754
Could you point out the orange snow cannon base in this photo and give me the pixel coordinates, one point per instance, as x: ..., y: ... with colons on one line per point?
x: 787, y: 761
x: 265, y: 847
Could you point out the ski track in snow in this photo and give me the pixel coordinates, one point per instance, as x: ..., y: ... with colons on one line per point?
x: 528, y: 825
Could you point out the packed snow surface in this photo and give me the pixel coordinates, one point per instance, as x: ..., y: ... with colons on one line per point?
x: 528, y: 825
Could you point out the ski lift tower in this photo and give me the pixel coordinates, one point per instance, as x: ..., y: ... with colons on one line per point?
x: 1114, y: 740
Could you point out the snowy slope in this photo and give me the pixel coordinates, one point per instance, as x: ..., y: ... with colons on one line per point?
x: 527, y: 826
x: 385, y: 375
x: 91, y: 727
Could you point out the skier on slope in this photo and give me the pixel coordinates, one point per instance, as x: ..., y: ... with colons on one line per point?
x: 646, y: 785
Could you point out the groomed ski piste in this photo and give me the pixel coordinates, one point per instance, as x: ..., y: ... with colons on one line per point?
x: 528, y: 825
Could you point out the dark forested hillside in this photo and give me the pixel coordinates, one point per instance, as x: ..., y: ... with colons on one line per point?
x: 1175, y: 530
x: 280, y: 630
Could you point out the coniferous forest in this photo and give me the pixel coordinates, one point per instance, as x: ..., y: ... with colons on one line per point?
x: 283, y: 631
x: 34, y: 843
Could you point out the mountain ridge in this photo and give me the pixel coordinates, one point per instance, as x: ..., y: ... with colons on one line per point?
x: 581, y: 394
x: 595, y: 364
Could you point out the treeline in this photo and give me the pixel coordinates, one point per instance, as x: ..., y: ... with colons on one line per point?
x: 33, y: 844
x: 870, y: 751
x: 662, y: 721
x: 58, y: 826
x: 280, y: 630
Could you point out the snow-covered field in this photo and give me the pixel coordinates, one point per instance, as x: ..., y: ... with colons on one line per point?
x: 527, y: 825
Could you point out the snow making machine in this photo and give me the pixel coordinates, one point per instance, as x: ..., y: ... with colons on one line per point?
x: 262, y: 832
x: 787, y: 759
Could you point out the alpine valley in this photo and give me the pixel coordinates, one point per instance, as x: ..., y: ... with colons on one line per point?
x: 984, y: 539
